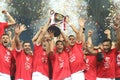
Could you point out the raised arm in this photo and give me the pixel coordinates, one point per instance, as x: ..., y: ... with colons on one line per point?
x: 18, y: 31
x: 10, y: 34
x: 72, y: 26
x: 43, y: 31
x: 81, y: 35
x: 90, y: 48
x: 51, y: 47
x: 107, y: 32
x: 89, y: 44
x: 11, y: 40
x: 89, y: 40
x: 117, y: 30
x: 36, y: 35
x: 51, y: 43
x: 65, y: 39
x: 11, y: 20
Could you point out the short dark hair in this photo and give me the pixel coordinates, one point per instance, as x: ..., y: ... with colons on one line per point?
x: 71, y: 36
x: 5, y: 35
x: 26, y: 42
x: 107, y: 40
x: 59, y: 41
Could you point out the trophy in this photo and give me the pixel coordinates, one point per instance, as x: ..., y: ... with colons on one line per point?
x: 56, y: 19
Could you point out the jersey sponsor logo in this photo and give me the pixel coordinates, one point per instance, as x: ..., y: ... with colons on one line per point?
x: 7, y: 56
x: 118, y: 59
x: 72, y: 57
x: 27, y: 63
x: 61, y: 62
x: 44, y: 58
x: 107, y: 62
x: 87, y: 64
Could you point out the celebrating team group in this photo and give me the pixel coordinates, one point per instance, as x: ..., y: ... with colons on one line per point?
x: 65, y: 57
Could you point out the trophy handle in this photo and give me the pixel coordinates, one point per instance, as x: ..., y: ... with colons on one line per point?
x: 52, y: 12
x: 67, y: 16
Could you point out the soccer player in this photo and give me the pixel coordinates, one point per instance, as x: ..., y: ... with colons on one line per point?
x: 91, y: 60
x: 5, y: 57
x: 76, y: 55
x: 40, y: 59
x: 60, y: 59
x: 106, y: 66
x: 117, y: 70
x: 23, y: 57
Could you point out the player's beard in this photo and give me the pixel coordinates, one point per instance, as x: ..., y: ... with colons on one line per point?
x: 59, y: 50
x: 27, y: 51
x: 5, y: 43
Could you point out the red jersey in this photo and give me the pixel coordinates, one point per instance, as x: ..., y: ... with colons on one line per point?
x: 106, y: 68
x: 3, y: 25
x: 60, y: 63
x: 40, y: 61
x: 5, y: 60
x: 117, y: 69
x: 76, y: 58
x: 23, y: 65
x: 91, y: 66
x: 13, y: 65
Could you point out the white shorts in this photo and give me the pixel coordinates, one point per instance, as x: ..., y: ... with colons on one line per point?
x: 68, y: 78
x: 4, y: 76
x: 105, y: 79
x: 78, y: 75
x: 39, y: 76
